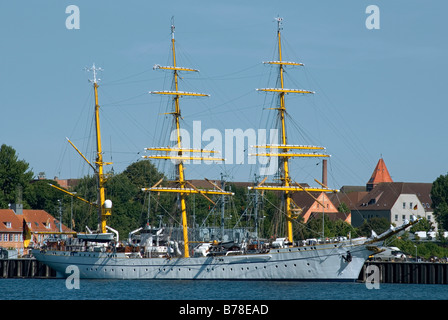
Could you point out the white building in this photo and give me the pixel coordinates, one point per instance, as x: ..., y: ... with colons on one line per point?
x: 395, y: 201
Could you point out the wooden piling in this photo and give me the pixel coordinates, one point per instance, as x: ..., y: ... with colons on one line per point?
x: 25, y: 268
x: 409, y: 272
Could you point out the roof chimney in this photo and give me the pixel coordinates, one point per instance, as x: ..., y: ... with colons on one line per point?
x: 17, y: 208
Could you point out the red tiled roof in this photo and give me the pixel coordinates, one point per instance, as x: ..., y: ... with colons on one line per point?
x: 351, y: 199
x: 37, y: 219
x: 8, y: 217
x: 384, y: 195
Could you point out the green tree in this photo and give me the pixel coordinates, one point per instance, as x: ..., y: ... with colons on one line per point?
x: 423, y: 225
x: 14, y: 175
x: 343, y: 208
x: 84, y: 214
x: 379, y: 225
x: 439, y: 197
x: 143, y: 174
x: 331, y: 228
x: 40, y: 195
x: 126, y: 209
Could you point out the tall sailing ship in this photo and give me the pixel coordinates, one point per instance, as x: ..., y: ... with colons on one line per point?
x: 99, y: 255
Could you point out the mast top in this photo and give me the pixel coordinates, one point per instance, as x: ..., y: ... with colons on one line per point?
x: 279, y: 23
x: 94, y: 70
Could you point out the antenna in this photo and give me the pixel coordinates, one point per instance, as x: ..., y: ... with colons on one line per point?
x: 94, y: 70
x: 279, y: 23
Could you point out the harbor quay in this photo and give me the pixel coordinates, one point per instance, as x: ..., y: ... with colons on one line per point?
x: 405, y: 272
x: 387, y: 271
x: 25, y: 268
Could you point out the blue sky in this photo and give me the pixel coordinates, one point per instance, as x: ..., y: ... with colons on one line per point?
x: 378, y: 92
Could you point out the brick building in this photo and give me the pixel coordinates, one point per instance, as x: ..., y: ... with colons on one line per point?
x: 41, y: 223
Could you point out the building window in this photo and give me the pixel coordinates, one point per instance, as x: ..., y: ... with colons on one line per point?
x: 7, y: 224
x: 403, y: 217
x: 429, y: 217
x: 410, y: 205
x: 404, y: 205
x: 396, y: 217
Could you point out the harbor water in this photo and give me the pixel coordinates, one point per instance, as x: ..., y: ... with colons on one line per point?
x: 57, y: 289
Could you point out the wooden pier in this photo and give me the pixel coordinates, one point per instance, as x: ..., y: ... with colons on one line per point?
x: 407, y: 272
x: 25, y: 268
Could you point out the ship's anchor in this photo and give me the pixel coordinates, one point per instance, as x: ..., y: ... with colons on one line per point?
x: 348, y: 257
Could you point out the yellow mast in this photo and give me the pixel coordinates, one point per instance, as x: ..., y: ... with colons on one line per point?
x: 180, y: 166
x: 281, y: 111
x: 180, y: 157
x: 104, y: 206
x: 287, y: 186
x: 103, y: 210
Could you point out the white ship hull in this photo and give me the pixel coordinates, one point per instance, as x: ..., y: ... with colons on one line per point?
x: 326, y: 262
